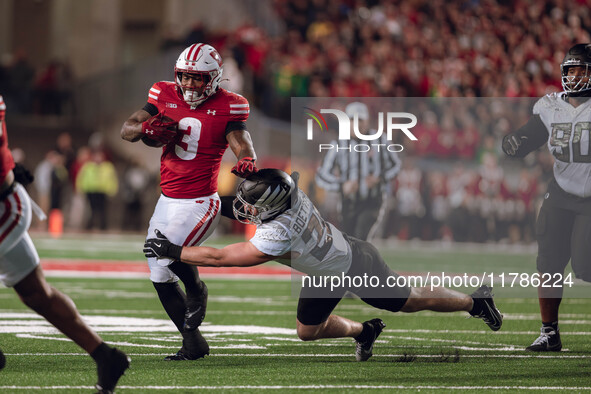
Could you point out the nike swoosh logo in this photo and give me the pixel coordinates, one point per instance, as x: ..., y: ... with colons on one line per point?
x: 494, y: 315
x: 190, y: 315
x: 157, y: 245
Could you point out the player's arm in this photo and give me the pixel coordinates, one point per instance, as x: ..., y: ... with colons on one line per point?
x: 132, y: 128
x: 150, y: 123
x: 241, y: 144
x: 243, y: 254
x: 526, y: 139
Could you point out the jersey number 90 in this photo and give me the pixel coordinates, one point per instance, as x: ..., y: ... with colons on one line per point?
x: 566, y: 139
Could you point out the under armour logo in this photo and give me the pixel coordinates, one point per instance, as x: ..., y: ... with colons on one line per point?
x: 149, y: 131
x: 211, y: 111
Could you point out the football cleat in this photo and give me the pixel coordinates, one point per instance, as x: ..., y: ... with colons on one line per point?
x: 2, y: 360
x: 489, y: 313
x: 183, y: 355
x: 111, y: 370
x: 364, y: 350
x: 548, y: 341
x: 195, y: 312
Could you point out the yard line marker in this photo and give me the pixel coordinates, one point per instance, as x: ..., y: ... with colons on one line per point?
x: 309, y: 387
x: 302, y: 355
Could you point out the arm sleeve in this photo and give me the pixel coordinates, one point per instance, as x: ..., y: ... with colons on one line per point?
x: 150, y: 108
x: 536, y: 134
x: 271, y: 241
x: 325, y: 177
x: 235, y: 125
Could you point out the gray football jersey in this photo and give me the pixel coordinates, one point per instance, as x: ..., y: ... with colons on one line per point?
x: 568, y: 129
x: 317, y: 247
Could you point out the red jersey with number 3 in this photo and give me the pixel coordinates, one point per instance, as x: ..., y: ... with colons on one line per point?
x: 6, y: 161
x: 190, y: 168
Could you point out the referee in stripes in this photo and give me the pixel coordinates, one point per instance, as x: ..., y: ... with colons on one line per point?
x: 360, y: 177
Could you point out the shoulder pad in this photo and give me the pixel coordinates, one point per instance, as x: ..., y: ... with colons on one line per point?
x: 547, y: 102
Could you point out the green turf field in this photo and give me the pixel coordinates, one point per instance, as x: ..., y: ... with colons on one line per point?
x: 250, y: 326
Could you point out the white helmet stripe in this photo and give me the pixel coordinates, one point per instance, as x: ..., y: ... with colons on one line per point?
x: 263, y: 199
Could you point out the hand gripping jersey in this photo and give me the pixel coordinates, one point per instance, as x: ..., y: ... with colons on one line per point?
x: 569, y: 141
x: 190, y: 168
x: 6, y: 161
x: 317, y: 247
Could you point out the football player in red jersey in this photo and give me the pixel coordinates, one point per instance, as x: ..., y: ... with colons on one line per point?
x: 194, y: 120
x: 19, y: 268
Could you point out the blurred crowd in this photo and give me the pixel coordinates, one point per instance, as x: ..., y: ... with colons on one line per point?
x: 45, y: 90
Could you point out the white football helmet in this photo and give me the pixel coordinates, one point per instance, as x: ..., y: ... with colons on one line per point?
x: 199, y: 59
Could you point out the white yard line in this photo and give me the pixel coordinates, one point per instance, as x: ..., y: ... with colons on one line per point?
x: 311, y: 387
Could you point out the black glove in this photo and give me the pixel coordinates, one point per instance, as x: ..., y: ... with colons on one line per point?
x: 22, y: 175
x: 511, y: 144
x: 161, y: 247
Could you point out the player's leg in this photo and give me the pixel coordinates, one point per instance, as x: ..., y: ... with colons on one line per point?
x: 554, y: 229
x: 59, y: 310
x: 438, y: 299
x: 186, y: 222
x: 315, y: 321
x: 196, y: 294
x: 173, y: 299
x: 368, y: 261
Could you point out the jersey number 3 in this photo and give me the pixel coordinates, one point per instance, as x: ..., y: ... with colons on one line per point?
x: 566, y: 139
x: 186, y: 149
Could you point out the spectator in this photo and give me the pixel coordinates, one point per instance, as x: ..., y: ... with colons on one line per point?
x: 98, y: 180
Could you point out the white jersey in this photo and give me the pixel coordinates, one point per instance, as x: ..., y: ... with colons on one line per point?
x: 317, y: 247
x: 569, y: 141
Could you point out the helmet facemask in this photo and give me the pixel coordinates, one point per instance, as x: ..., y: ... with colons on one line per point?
x: 247, y: 213
x: 575, y: 83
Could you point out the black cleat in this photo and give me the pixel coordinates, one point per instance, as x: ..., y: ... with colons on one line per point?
x: 490, y: 314
x: 111, y: 370
x: 2, y: 360
x: 183, y: 355
x: 195, y: 312
x: 548, y: 341
x: 364, y: 350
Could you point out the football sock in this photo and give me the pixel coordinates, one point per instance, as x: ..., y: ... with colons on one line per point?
x: 173, y: 300
x: 101, y: 352
x: 365, y: 333
x: 189, y: 275
x: 194, y: 343
x: 477, y: 308
x: 553, y: 324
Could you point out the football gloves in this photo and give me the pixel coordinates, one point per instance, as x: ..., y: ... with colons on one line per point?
x: 245, y: 167
x: 511, y: 144
x: 160, y: 128
x: 161, y: 247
